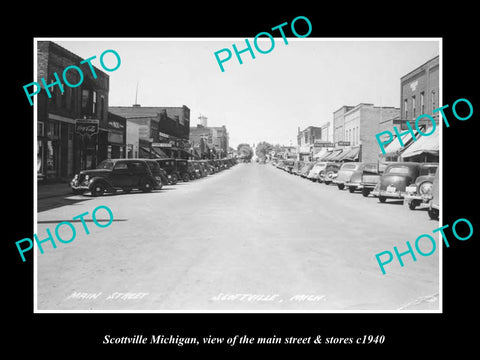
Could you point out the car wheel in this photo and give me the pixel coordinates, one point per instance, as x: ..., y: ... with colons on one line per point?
x: 433, y: 214
x: 352, y: 189
x: 185, y: 178
x: 160, y: 185
x: 78, y: 191
x: 146, y: 185
x: 412, y: 205
x: 365, y: 192
x: 174, y: 179
x: 327, y: 182
x: 341, y: 186
x: 98, y: 189
x: 382, y: 199
x: 127, y: 191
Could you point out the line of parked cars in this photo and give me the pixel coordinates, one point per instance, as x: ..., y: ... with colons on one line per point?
x: 417, y: 184
x: 146, y: 175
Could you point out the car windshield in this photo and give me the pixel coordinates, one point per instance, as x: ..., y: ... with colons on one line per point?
x: 105, y: 164
x: 153, y: 166
x: 349, y: 167
x: 428, y: 170
x: 398, y: 170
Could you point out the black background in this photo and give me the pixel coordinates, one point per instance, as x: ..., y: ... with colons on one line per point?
x: 58, y: 335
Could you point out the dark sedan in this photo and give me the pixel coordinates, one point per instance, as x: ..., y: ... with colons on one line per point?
x: 395, y: 179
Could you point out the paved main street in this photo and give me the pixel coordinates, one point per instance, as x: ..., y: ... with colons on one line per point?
x: 252, y: 229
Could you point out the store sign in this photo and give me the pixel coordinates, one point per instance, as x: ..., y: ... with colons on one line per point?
x: 343, y: 143
x: 86, y: 127
x: 163, y: 135
x: 324, y: 144
x: 161, y: 145
x: 112, y: 124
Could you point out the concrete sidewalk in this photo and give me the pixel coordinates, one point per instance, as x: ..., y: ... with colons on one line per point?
x: 49, y: 190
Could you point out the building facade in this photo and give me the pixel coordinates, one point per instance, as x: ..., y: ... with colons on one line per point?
x: 72, y: 126
x: 419, y: 91
x: 209, y: 142
x: 339, y: 122
x: 359, y: 125
x: 306, y: 140
x: 163, y: 131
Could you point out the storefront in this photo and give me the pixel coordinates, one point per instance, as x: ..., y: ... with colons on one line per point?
x: 55, y: 144
x: 425, y: 149
x: 116, y: 138
x: 87, y: 134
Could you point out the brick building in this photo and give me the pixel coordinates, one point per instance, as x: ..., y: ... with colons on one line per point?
x: 355, y: 130
x: 419, y: 91
x: 306, y: 140
x: 72, y: 126
x: 209, y: 141
x: 164, y: 131
x: 419, y: 94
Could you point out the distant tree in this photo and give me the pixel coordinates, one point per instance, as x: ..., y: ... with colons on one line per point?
x: 263, y: 149
x: 245, y: 151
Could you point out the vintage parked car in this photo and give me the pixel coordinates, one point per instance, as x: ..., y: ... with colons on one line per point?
x: 297, y: 165
x: 418, y: 193
x: 288, y: 165
x: 356, y: 181
x: 315, y: 170
x: 370, y: 178
x: 194, y: 170
x: 434, y: 203
x: 157, y: 171
x: 395, y: 179
x: 345, y: 173
x: 306, y: 169
x: 328, y: 174
x: 169, y: 165
x: 117, y: 174
x: 185, y: 170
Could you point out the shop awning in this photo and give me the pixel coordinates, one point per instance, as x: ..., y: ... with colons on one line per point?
x: 350, y: 154
x: 158, y: 151
x: 328, y: 153
x: 145, y: 152
x: 339, y: 155
x: 320, y: 153
x: 333, y: 155
x: 425, y: 144
x: 394, y: 147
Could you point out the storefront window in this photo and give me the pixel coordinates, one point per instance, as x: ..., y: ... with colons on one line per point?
x: 39, y: 157
x: 51, y: 157
x: 52, y: 128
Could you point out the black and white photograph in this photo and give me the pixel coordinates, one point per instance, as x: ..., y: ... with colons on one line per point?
x: 295, y: 180
x: 229, y: 186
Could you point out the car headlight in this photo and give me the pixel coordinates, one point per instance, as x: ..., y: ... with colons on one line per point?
x: 75, y: 177
x: 426, y: 188
x: 87, y: 177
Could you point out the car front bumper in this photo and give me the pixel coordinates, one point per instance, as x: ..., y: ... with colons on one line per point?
x: 355, y: 185
x: 76, y: 185
x: 387, y: 194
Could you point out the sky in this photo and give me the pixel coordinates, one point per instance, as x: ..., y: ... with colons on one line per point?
x: 268, y: 98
